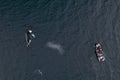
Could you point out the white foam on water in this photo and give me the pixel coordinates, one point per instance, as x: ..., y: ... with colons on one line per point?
x: 55, y: 46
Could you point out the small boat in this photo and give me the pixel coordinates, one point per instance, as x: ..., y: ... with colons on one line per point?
x: 99, y: 53
x: 28, y: 36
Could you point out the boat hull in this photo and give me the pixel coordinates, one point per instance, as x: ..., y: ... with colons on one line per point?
x: 99, y: 53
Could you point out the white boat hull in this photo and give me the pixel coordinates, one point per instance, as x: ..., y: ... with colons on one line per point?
x: 99, y: 53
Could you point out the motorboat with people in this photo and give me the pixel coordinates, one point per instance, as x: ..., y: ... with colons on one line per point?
x: 99, y: 52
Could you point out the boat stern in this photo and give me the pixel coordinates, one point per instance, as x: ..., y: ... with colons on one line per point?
x: 101, y: 58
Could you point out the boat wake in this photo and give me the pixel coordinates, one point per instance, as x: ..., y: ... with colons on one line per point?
x: 101, y: 69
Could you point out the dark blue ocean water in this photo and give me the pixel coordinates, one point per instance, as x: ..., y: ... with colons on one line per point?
x: 66, y: 32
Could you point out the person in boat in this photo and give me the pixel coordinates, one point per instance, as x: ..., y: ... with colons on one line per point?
x: 99, y: 50
x: 29, y: 35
